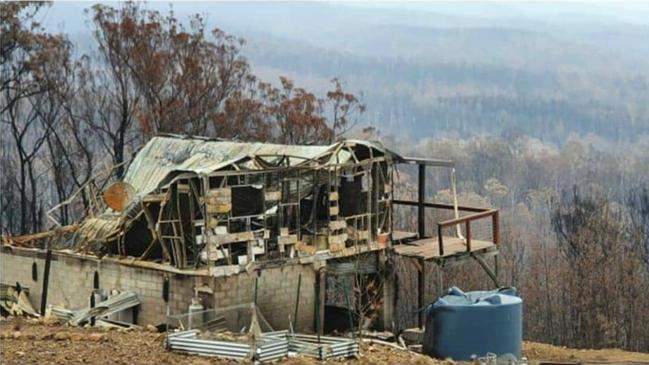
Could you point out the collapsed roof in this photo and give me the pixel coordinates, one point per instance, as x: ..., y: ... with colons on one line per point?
x: 162, y: 158
x: 166, y: 159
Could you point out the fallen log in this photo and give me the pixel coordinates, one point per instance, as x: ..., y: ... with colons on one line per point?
x: 23, y: 240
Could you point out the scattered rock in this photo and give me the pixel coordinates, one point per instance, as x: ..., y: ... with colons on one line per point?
x: 96, y: 337
x: 16, y: 335
x: 61, y: 336
x: 76, y: 337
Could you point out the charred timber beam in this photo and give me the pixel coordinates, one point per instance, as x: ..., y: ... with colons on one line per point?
x: 421, y: 290
x: 421, y: 213
x: 440, y: 206
x: 492, y: 274
x: 428, y: 162
x: 46, y: 279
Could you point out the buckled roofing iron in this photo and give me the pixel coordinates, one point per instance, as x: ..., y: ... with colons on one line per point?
x: 163, y: 156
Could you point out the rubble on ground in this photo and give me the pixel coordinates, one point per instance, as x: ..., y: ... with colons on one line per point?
x: 39, y: 342
x: 14, y: 300
x: 42, y: 341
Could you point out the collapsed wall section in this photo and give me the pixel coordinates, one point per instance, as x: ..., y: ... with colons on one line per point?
x: 72, y: 280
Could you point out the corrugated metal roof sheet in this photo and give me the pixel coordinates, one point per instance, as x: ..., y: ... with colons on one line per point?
x: 162, y: 156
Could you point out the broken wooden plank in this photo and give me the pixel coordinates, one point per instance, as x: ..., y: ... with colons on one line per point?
x: 304, y: 248
x: 359, y: 235
x: 154, y: 198
x: 218, y: 201
x: 336, y: 225
x: 19, y: 240
x: 287, y: 240
x: 218, y: 253
x: 219, y: 239
x: 339, y: 239
x: 219, y: 208
x: 272, y: 195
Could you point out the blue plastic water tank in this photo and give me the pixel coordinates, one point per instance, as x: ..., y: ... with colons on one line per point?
x: 459, y: 325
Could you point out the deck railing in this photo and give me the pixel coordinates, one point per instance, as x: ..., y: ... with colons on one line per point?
x: 421, y: 204
x: 477, y: 214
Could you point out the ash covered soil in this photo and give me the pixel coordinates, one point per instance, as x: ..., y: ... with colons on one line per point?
x: 33, y: 341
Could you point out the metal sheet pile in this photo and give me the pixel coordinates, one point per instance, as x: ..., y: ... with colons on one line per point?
x: 269, y: 347
x: 242, y: 332
x: 114, y: 304
x: 188, y: 342
x: 320, y: 347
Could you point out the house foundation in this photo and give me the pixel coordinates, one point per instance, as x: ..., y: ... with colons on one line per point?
x: 71, y: 282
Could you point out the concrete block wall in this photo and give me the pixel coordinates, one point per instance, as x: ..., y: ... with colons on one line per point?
x: 71, y: 282
x: 148, y: 284
x: 276, y: 294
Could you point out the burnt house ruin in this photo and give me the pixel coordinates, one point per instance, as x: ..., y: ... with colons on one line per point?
x: 231, y: 222
x: 193, y: 203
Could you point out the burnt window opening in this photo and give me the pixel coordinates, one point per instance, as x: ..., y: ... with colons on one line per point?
x: 351, y: 188
x: 247, y: 200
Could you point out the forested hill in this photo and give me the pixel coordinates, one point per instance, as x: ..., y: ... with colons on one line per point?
x: 441, y: 69
x: 427, y: 74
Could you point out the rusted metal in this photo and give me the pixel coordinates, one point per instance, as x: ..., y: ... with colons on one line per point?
x: 118, y: 195
x: 428, y: 162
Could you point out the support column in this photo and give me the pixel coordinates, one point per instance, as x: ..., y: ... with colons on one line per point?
x: 440, y: 280
x: 389, y: 295
x: 496, y: 267
x: 421, y: 292
x: 46, y: 279
x: 322, y: 290
x: 421, y: 213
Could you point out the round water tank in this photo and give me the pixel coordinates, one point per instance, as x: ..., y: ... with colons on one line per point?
x: 459, y: 324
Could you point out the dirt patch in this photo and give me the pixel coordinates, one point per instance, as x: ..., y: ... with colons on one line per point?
x: 545, y: 352
x: 25, y: 341
x: 36, y: 342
